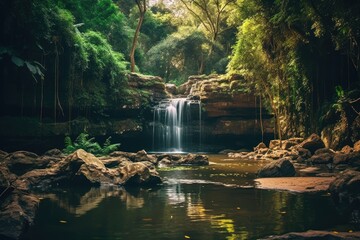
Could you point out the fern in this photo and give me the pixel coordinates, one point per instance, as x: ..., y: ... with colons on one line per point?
x: 69, y: 146
x: 83, y: 141
x: 108, y: 147
x: 340, y: 94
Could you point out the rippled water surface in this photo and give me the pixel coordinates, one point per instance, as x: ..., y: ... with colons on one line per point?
x: 212, y: 202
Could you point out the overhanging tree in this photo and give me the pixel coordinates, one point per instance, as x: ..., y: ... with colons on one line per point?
x: 212, y: 15
x: 141, y: 4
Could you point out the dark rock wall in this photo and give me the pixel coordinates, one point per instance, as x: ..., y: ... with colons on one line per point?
x: 230, y: 117
x: 231, y: 114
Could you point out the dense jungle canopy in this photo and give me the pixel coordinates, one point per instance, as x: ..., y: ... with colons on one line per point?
x: 65, y: 59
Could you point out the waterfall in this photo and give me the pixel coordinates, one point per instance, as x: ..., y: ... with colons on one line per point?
x: 177, y: 125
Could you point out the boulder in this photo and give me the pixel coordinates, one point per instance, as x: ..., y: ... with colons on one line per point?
x: 321, y: 158
x: 336, y: 128
x: 139, y: 174
x: 346, y: 149
x: 6, y: 177
x: 54, y: 153
x: 277, y: 154
x: 352, y: 158
x: 296, y: 139
x: 142, y: 155
x: 287, y: 144
x: 171, y: 88
x: 17, y: 213
x: 127, y: 155
x: 263, y: 150
x: 303, y: 153
x: 346, y: 188
x: 172, y: 157
x: 95, y: 175
x: 260, y: 146
x: 279, y: 168
x: 164, y: 163
x: 82, y: 167
x: 355, y: 129
x: 22, y: 161
x: 324, y: 150
x: 2, y: 155
x: 194, y: 159
x: 312, y: 143
x: 357, y: 146
x: 17, y: 206
x: 113, y: 162
x: 274, y: 144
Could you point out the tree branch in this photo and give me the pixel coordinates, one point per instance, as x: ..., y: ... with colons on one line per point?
x: 196, y: 15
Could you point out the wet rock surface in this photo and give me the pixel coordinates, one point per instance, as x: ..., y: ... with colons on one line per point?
x: 346, y: 188
x: 319, y: 235
x: 169, y: 160
x: 310, y: 151
x: 81, y: 167
x: 312, y: 143
x: 295, y: 184
x: 17, y: 205
x: 17, y: 213
x: 280, y: 168
x: 21, y: 172
x: 311, y: 159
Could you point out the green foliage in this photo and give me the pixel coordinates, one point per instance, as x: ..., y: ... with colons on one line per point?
x: 274, y: 52
x: 102, y: 16
x: 292, y: 53
x: 181, y: 54
x: 156, y: 27
x: 33, y: 67
x: 104, y: 72
x: 340, y: 94
x: 177, y: 81
x: 85, y: 142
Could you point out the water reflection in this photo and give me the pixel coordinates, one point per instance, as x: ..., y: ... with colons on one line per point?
x: 196, y: 212
x: 81, y: 201
x: 200, y: 204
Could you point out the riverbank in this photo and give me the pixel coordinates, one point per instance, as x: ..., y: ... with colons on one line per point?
x: 295, y: 184
x: 191, y: 171
x: 22, y: 172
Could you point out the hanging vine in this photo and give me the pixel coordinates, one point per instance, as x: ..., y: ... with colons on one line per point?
x: 57, y: 103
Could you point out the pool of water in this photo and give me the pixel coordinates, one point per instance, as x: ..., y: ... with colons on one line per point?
x: 213, y: 202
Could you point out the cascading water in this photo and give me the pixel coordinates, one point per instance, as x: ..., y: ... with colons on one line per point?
x: 177, y: 125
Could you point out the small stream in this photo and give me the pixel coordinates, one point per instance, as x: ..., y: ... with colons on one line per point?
x: 212, y: 202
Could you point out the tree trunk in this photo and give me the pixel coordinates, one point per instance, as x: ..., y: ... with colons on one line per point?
x: 41, y: 99
x: 277, y: 115
x: 261, y: 122
x: 22, y: 97
x: 142, y: 9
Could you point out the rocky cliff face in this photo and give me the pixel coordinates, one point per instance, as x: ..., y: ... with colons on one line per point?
x: 231, y: 113
x: 230, y: 117
x: 124, y: 122
x: 146, y: 90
